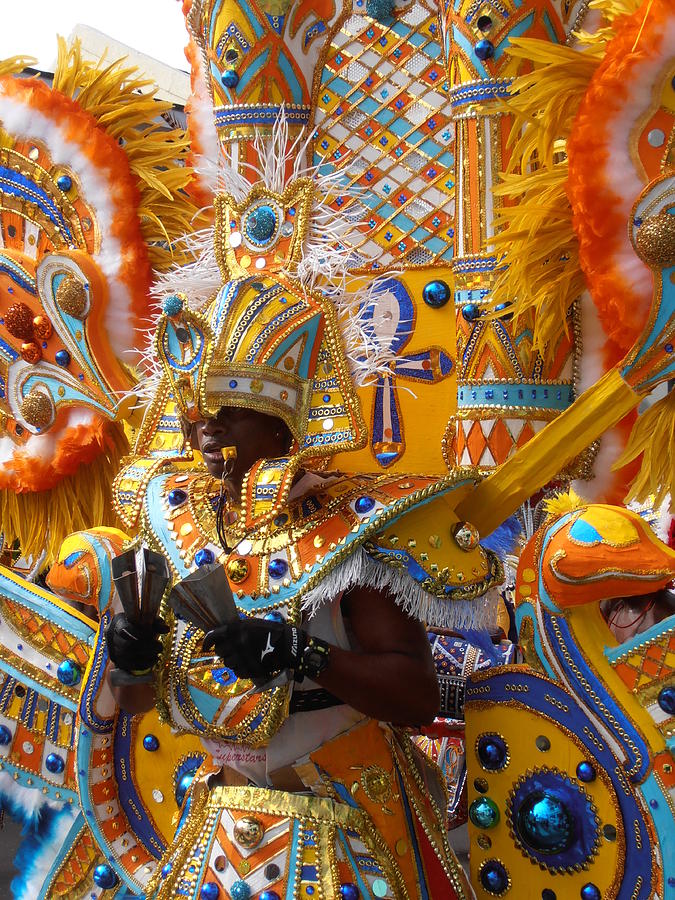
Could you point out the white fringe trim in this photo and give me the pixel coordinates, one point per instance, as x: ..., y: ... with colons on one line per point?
x: 362, y: 570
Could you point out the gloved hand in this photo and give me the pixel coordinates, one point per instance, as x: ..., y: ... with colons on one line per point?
x: 132, y: 647
x: 257, y: 648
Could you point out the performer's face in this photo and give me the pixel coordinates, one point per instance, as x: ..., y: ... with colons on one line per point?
x: 254, y: 434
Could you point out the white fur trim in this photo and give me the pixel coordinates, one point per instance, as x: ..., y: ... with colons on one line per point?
x: 362, y: 570
x: 98, y: 190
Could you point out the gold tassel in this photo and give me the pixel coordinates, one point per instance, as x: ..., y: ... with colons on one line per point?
x: 75, y: 503
x: 653, y: 438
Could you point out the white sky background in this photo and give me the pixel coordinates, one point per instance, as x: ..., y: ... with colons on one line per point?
x: 154, y: 27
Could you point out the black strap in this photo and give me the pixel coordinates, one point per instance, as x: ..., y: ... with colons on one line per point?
x: 309, y: 701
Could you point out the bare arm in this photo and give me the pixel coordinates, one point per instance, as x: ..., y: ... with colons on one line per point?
x: 135, y: 699
x: 392, y: 678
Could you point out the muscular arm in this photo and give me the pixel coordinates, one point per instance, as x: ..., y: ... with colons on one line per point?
x: 392, y: 678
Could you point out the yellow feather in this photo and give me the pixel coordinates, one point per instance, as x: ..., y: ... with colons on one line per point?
x: 563, y: 503
x: 653, y: 438
x: 73, y: 503
x: 125, y: 104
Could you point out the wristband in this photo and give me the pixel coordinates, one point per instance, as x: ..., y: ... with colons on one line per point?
x: 313, y: 660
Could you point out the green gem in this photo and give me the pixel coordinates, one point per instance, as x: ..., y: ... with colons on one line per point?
x: 484, y: 813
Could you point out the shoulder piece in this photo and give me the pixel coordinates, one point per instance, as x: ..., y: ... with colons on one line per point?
x: 317, y: 531
x: 444, y: 559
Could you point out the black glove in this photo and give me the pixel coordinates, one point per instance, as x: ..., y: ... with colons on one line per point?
x: 132, y: 647
x: 257, y: 648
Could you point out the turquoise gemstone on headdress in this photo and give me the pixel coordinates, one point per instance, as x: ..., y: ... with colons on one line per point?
x: 260, y: 224
x: 173, y: 305
x: 240, y: 891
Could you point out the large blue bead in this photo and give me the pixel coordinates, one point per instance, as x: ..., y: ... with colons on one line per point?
x: 545, y: 824
x: 64, y: 182
x: 484, y: 50
x: 55, y: 763
x: 5, y: 736
x: 590, y: 892
x: 470, y: 312
x: 261, y: 223
x: 240, y: 891
x: 364, y: 505
x: 204, y: 557
x: 183, y: 786
x: 585, y: 772
x: 492, y: 752
x: 484, y: 812
x: 436, y: 293
x: 666, y: 700
x: 68, y: 673
x: 104, y: 876
x: 176, y: 497
x: 151, y: 743
x: 494, y: 877
x: 278, y: 568
x: 209, y: 891
x: 269, y: 895
x: 349, y: 892
x: 62, y: 358
x: 230, y: 79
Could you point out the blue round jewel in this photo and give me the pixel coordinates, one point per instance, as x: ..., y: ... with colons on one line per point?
x: 209, y: 891
x: 64, y: 182
x: 68, y: 673
x: 666, y: 700
x: 278, y: 568
x: 173, y: 305
x: 5, y: 736
x: 492, y: 752
x: 183, y: 786
x: 349, y: 891
x: 166, y: 869
x: 55, y: 763
x: 471, y: 312
x: 668, y: 348
x: 104, y: 876
x: 326, y: 398
x: 545, y: 824
x: 484, y: 50
x: 260, y: 224
x: 281, y: 519
x: 654, y: 803
x: 586, y: 772
x: 176, y: 497
x: 590, y: 892
x: 436, y: 294
x: 230, y: 79
x: 274, y: 616
x: 62, y: 358
x: 233, y: 383
x: 494, y: 877
x: 151, y: 743
x: 364, y: 505
x: 484, y: 812
x: 204, y: 557
x: 240, y: 891
x: 269, y: 895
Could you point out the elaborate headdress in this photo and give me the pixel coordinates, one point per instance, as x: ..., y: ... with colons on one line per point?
x: 91, y: 197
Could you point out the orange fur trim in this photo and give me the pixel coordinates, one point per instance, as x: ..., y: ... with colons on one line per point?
x: 599, y: 207
x: 78, y: 446
x: 103, y: 152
